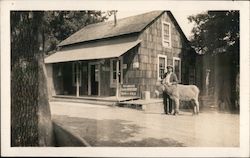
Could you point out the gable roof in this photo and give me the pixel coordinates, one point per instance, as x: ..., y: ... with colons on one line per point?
x: 178, y: 26
x: 133, y: 24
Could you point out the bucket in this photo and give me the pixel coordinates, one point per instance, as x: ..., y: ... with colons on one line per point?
x: 146, y: 95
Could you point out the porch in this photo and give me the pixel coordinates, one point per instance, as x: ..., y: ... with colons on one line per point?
x: 94, y: 71
x: 146, y: 105
x: 108, y: 100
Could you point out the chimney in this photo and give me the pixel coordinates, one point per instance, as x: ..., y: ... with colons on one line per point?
x: 115, y: 20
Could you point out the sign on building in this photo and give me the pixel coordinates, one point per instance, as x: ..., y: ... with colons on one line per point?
x: 128, y: 90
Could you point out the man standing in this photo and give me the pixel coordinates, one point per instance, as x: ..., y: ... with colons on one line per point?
x: 169, y: 78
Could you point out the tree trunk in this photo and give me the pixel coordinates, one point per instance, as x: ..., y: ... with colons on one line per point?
x: 45, y: 128
x: 224, y: 86
x: 30, y: 113
x: 24, y: 104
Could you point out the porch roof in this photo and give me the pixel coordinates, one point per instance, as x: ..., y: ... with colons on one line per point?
x: 95, y: 50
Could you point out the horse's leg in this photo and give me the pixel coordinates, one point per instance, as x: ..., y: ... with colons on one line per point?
x: 197, y: 106
x: 192, y: 102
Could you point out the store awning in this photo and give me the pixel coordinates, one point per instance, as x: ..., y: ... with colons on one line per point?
x: 94, y: 50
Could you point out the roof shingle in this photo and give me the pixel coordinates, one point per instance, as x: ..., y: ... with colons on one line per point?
x: 107, y: 29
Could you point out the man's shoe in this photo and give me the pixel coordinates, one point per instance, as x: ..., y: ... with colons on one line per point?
x: 176, y: 113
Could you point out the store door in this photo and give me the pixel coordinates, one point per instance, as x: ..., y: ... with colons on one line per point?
x: 94, y: 78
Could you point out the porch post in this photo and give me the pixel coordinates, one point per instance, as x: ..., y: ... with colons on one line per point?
x: 77, y: 79
x: 117, y: 79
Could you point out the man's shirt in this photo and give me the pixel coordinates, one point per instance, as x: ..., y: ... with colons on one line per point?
x: 167, y: 79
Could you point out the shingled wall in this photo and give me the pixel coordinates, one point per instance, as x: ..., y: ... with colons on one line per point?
x: 149, y: 49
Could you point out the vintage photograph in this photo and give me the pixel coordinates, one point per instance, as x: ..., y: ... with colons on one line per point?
x: 110, y: 78
x: 124, y: 79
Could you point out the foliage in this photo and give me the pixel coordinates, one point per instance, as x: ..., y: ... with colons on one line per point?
x: 24, y: 34
x: 216, y: 34
x: 61, y: 24
x: 214, y: 30
x: 37, y: 30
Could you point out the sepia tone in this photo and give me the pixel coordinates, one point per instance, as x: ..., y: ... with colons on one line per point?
x: 101, y: 85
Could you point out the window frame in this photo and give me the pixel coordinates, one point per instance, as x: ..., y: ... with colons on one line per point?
x: 174, y: 59
x: 158, y: 64
x: 163, y: 39
x: 112, y: 82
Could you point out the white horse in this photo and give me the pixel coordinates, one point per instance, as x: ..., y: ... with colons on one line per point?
x: 179, y: 92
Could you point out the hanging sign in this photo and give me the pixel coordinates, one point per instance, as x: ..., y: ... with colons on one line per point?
x: 136, y: 65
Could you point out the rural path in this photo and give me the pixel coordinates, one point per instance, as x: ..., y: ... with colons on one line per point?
x: 116, y: 126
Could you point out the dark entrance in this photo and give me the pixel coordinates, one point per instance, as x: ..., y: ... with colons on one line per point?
x: 94, y: 79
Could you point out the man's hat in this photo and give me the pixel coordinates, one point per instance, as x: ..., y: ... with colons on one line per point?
x: 169, y: 66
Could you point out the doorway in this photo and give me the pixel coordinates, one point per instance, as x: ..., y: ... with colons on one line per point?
x: 94, y: 79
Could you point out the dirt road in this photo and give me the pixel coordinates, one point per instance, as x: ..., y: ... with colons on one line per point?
x: 115, y: 126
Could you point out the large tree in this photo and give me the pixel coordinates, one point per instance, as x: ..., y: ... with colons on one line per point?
x: 216, y: 34
x: 32, y: 34
x: 215, y: 29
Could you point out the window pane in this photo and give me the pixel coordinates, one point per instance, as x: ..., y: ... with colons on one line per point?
x: 166, y: 37
x: 74, y: 74
x: 166, y: 32
x: 114, y: 65
x: 114, y: 69
x: 162, y: 62
x: 162, y: 66
x: 166, y: 29
x: 161, y: 73
x: 177, y: 68
x: 96, y: 73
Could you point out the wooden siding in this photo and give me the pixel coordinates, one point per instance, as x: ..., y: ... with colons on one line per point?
x: 151, y: 46
x: 131, y: 75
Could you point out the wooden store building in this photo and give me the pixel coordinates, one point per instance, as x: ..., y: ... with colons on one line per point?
x: 121, y: 58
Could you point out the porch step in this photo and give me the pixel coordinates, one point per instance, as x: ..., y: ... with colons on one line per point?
x: 148, y: 106
x: 110, y: 101
x: 86, y: 101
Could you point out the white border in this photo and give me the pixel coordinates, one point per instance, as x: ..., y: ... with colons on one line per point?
x: 6, y: 6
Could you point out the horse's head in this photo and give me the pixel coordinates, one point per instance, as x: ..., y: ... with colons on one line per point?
x: 159, y: 90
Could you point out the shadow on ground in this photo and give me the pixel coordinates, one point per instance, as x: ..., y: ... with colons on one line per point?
x: 104, y: 133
